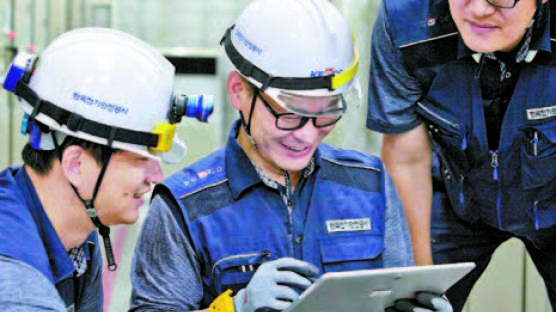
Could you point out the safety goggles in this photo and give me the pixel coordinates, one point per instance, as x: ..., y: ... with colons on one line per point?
x: 308, y: 105
x: 293, y: 121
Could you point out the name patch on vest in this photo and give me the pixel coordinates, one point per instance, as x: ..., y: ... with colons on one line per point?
x: 541, y: 113
x: 348, y: 225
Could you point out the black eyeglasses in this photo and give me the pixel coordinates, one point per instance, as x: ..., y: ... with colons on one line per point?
x: 503, y: 4
x: 291, y: 121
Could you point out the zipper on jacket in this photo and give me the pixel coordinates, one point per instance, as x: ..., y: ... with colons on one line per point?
x: 447, y: 122
x: 289, y: 201
x: 535, y: 143
x: 444, y: 120
x: 535, y: 210
x: 494, y: 165
x: 461, y: 196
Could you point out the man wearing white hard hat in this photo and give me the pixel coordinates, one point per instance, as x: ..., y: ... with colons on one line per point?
x: 249, y: 227
x: 100, y: 114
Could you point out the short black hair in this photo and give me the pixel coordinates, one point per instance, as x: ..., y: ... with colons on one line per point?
x: 41, y: 161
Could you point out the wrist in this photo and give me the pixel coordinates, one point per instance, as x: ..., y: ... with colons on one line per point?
x: 423, y: 259
x: 239, y: 301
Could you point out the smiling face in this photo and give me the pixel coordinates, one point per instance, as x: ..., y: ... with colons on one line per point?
x: 485, y: 28
x: 275, y: 149
x: 127, y: 179
x: 288, y: 150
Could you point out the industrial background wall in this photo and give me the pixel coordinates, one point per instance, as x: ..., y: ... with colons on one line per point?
x: 187, y: 32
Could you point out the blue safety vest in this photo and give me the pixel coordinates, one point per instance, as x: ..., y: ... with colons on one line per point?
x: 515, y: 185
x: 27, y: 235
x: 233, y: 234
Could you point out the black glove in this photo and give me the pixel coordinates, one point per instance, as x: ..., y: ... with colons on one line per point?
x: 424, y: 302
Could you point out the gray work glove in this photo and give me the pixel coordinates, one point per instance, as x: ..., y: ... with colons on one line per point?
x: 275, y: 285
x: 424, y: 302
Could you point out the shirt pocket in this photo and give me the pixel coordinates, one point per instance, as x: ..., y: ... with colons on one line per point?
x: 235, y: 271
x: 447, y: 133
x: 538, y: 172
x: 450, y: 144
x: 350, y: 252
x: 538, y: 155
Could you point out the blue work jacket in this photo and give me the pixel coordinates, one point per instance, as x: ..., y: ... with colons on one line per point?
x: 27, y: 235
x: 233, y: 227
x: 508, y: 188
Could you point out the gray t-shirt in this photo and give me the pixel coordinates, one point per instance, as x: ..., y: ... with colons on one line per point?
x: 393, y: 92
x: 166, y: 276
x: 23, y: 288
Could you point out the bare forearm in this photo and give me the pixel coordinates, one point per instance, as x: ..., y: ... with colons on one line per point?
x: 408, y: 158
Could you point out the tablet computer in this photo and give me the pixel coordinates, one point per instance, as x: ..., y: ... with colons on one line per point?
x: 375, y: 290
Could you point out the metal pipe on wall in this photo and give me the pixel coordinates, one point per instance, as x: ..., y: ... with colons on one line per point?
x: 69, y: 13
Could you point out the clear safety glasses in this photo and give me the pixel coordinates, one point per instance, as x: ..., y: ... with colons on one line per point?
x: 292, y: 121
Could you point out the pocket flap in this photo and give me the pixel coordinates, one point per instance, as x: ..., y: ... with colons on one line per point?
x: 234, y: 271
x: 236, y: 278
x: 547, y: 131
x: 443, y: 128
x: 239, y: 260
x: 351, y: 247
x: 439, y: 118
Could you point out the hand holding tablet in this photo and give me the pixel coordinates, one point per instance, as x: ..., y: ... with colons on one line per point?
x: 275, y: 285
x: 377, y: 290
x: 423, y: 302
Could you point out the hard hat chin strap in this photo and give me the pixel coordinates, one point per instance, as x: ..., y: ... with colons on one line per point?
x: 247, y: 125
x: 247, y: 128
x: 89, y: 204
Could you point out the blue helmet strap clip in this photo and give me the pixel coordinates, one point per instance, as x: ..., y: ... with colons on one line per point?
x: 20, y: 69
x: 33, y: 127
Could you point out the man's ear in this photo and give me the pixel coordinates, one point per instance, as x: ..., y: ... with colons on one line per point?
x: 73, y: 162
x: 237, y: 89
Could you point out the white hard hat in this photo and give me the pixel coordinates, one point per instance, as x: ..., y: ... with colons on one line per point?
x: 112, y: 81
x: 294, y: 48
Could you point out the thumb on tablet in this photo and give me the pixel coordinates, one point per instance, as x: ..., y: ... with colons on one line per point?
x: 434, y: 301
